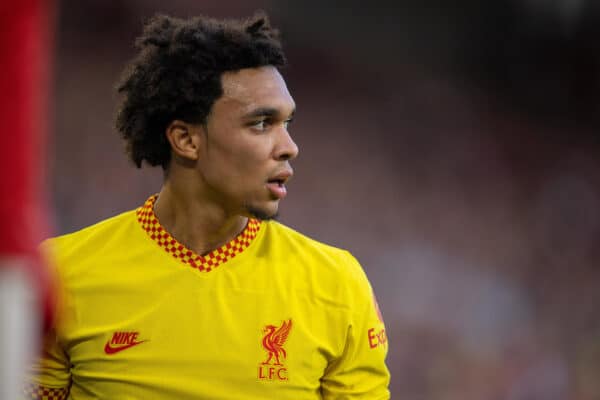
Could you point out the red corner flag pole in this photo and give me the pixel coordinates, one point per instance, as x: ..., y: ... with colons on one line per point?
x: 25, y: 295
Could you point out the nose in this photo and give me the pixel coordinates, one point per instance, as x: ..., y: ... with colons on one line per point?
x: 287, y: 149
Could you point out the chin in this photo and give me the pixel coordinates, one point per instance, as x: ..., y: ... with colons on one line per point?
x: 263, y: 213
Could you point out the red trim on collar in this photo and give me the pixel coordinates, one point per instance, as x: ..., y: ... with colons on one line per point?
x: 149, y: 222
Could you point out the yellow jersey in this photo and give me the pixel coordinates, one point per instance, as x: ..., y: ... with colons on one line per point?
x: 270, y: 315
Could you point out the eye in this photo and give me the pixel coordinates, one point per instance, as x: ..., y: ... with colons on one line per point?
x: 260, y: 125
x: 287, y: 122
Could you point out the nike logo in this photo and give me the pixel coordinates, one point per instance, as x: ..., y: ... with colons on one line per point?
x: 122, y: 341
x: 108, y: 349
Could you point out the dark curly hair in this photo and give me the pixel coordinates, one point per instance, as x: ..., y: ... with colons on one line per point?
x: 177, y: 75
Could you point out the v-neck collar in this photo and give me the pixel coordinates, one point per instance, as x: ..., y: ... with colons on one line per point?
x: 206, y: 263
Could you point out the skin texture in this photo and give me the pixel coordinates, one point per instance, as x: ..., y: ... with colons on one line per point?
x: 219, y: 173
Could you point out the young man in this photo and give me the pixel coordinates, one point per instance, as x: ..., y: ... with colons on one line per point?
x: 199, y: 294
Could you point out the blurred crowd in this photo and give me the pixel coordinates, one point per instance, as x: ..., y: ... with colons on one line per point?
x: 467, y: 184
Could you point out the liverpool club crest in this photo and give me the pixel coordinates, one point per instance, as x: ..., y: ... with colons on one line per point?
x: 273, y: 368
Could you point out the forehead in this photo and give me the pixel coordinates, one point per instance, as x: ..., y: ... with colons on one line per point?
x: 250, y: 88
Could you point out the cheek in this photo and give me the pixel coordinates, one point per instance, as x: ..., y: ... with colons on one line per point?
x: 249, y: 153
x: 237, y: 165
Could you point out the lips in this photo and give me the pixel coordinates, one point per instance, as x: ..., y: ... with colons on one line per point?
x: 276, y: 184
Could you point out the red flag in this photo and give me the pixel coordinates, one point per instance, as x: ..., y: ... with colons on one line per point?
x: 25, y: 43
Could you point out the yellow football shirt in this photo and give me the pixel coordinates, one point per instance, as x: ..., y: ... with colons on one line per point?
x: 270, y: 315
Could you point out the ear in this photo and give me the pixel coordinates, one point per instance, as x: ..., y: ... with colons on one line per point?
x: 184, y: 139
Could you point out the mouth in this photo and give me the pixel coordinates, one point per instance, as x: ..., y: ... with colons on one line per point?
x: 276, y: 184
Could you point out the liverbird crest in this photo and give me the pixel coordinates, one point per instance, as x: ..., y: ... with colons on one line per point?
x: 274, y: 340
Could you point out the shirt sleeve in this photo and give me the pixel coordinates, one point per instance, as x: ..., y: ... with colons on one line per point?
x: 360, y: 372
x: 49, y: 377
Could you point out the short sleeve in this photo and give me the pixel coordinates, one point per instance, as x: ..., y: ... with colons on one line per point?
x: 49, y: 377
x: 360, y: 372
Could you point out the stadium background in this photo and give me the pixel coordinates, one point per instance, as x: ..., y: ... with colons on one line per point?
x: 451, y: 146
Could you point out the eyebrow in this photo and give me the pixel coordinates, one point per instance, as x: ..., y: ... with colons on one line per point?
x: 266, y: 112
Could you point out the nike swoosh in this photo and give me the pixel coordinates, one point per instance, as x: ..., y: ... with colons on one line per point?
x: 112, y: 350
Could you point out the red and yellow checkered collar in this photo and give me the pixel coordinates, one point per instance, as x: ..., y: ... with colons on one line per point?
x: 149, y: 222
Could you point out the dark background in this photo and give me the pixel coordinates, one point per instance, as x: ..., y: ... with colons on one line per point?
x: 451, y: 146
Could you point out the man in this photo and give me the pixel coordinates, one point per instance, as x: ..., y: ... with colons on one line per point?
x: 199, y: 294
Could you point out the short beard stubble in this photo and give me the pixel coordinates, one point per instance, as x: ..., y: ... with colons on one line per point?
x: 261, y: 215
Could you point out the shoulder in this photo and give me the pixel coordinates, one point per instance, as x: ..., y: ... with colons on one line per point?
x: 329, y: 262
x: 292, y: 240
x: 92, y: 239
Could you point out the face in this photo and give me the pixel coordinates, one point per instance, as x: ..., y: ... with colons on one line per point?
x: 244, y: 159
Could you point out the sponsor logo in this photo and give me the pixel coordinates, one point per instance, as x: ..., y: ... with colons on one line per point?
x: 122, y: 341
x: 273, y: 367
x: 377, y: 337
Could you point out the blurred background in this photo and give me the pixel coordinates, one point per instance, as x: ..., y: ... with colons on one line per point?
x: 453, y: 147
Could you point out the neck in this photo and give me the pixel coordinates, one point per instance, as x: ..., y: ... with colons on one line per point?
x: 200, y: 226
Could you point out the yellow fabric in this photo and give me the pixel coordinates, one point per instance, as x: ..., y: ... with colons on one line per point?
x: 140, y: 324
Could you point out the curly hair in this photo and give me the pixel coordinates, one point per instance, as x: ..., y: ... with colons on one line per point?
x: 177, y: 75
